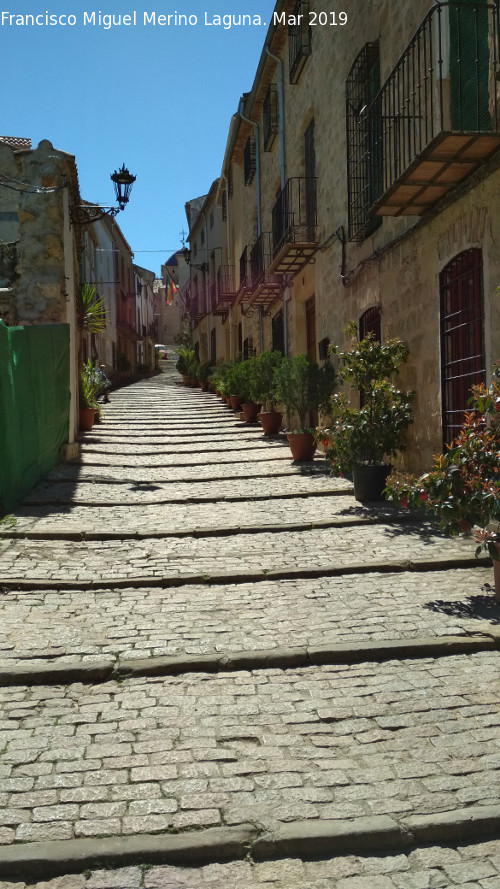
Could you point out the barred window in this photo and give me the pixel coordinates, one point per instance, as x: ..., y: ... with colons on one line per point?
x: 249, y: 160
x: 299, y: 39
x: 364, y: 161
x: 270, y: 116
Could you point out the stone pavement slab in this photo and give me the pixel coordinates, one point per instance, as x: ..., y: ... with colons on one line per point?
x: 316, y: 549
x: 251, y: 747
x: 190, y: 516
x: 73, y: 626
x: 474, y: 866
x: 137, y: 492
x: 301, y: 752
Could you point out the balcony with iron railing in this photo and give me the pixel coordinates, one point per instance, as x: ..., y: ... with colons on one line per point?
x: 266, y: 287
x: 294, y: 227
x: 225, y: 290
x: 245, y: 276
x: 435, y: 119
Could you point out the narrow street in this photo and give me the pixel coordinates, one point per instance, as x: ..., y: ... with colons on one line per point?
x: 220, y: 671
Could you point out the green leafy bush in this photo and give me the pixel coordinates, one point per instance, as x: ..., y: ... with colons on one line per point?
x: 462, y: 489
x: 301, y: 385
x: 375, y: 430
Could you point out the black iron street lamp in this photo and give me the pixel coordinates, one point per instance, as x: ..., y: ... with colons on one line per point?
x: 86, y: 214
x: 202, y: 266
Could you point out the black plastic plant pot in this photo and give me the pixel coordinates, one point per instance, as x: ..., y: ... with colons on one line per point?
x: 369, y: 481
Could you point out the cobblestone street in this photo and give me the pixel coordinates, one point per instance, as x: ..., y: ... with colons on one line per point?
x: 220, y: 670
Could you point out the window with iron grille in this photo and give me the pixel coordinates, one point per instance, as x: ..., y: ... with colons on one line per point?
x: 299, y: 39
x: 249, y: 160
x: 248, y: 349
x: 364, y: 159
x: 278, y: 333
x: 270, y: 119
x: 224, y: 206
x: 369, y: 322
x: 213, y: 345
x: 462, y: 337
x: 230, y: 181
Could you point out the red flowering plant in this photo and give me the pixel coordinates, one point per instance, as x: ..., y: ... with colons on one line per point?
x: 462, y: 489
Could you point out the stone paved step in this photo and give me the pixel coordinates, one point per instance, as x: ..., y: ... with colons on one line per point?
x: 64, y: 493
x: 309, y: 509
x: 475, y: 866
x: 173, y: 557
x: 75, y: 626
x: 321, y: 754
x: 265, y: 747
x: 88, y: 473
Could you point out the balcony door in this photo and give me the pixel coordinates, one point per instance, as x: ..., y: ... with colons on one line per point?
x: 462, y: 337
x: 469, y: 66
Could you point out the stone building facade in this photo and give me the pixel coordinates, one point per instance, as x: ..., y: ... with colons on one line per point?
x: 360, y: 182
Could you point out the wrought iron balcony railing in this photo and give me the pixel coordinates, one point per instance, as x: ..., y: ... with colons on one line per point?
x: 294, y: 213
x: 435, y: 118
x: 245, y: 273
x: 225, y: 283
x: 260, y: 258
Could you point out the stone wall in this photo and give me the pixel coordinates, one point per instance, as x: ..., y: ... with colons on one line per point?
x: 32, y: 229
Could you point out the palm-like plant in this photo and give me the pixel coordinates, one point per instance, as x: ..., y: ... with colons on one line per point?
x: 91, y: 312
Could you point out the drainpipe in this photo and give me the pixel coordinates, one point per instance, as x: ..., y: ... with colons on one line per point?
x: 281, y: 110
x: 286, y: 285
x: 69, y: 272
x: 205, y: 274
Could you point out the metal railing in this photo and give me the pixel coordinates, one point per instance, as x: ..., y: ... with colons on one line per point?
x: 225, y: 282
x: 245, y: 275
x: 445, y: 81
x: 299, y: 39
x: 260, y: 258
x: 294, y: 214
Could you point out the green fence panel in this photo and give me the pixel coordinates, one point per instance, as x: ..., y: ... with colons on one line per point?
x: 34, y: 405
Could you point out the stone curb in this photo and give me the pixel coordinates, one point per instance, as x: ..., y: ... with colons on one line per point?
x: 305, y: 839
x: 228, y: 577
x: 28, y: 861
x: 223, y: 498
x: 362, y: 521
x: 276, y: 658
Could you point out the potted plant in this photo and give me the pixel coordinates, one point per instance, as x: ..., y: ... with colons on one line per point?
x: 263, y: 391
x: 185, y: 358
x: 239, y: 381
x: 363, y: 437
x: 302, y: 385
x: 204, y: 371
x: 89, y: 385
x: 462, y: 489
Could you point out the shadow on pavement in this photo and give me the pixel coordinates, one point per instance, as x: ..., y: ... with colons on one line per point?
x: 480, y: 607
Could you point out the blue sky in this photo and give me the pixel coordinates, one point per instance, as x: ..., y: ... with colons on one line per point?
x: 158, y: 99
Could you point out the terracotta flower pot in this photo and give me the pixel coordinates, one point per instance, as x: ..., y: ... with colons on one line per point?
x: 86, y: 418
x: 302, y: 445
x: 235, y: 402
x: 250, y: 411
x: 204, y: 385
x: 270, y: 422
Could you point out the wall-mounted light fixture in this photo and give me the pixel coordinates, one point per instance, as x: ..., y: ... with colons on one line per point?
x: 86, y: 214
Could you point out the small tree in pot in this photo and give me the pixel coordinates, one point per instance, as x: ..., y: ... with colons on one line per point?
x: 361, y: 437
x: 265, y: 370
x: 300, y: 386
